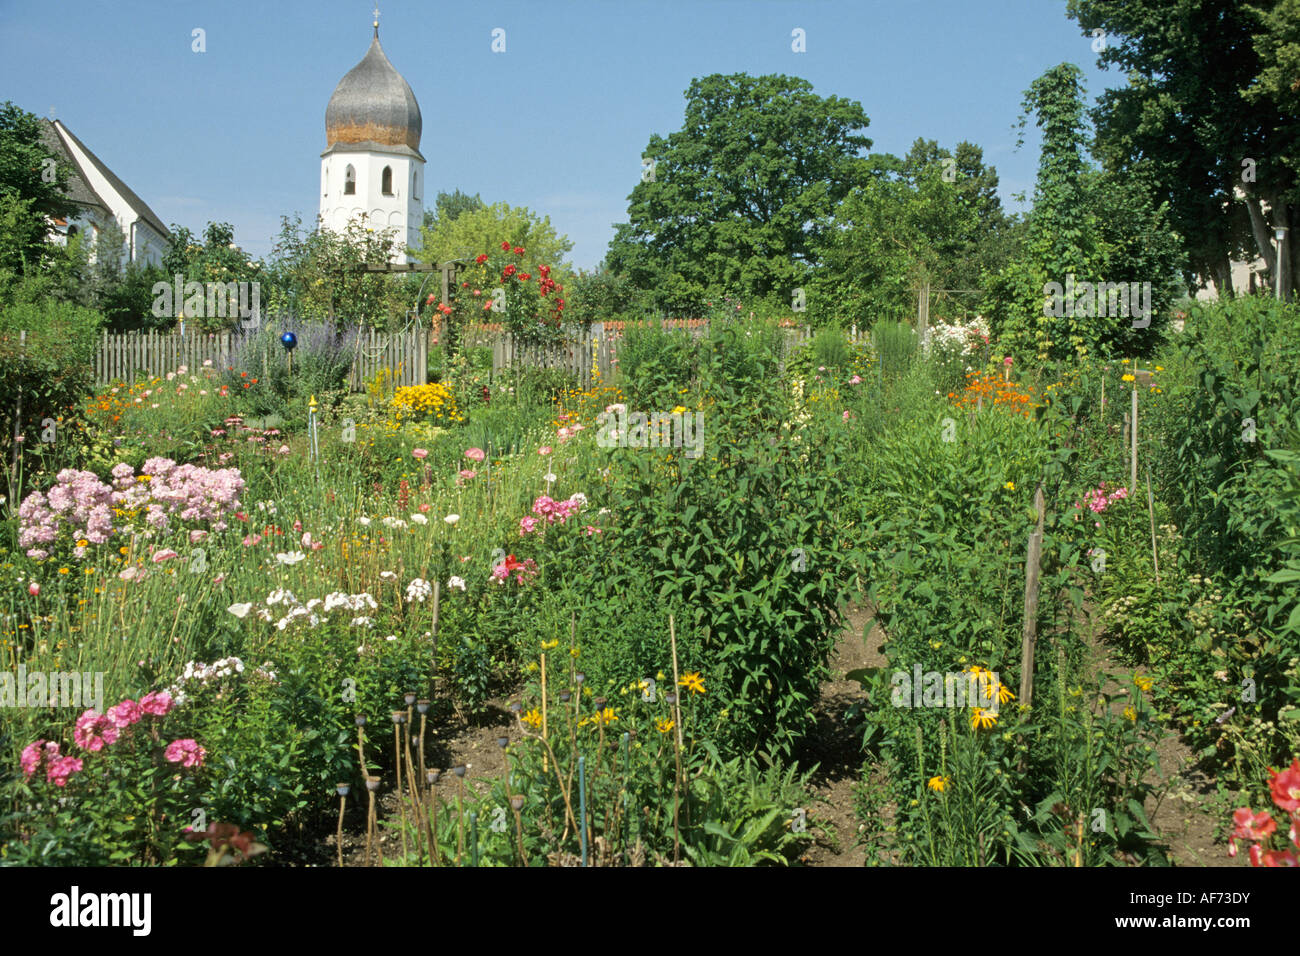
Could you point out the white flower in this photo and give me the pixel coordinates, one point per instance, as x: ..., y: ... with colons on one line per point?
x: 419, y: 519
x: 363, y: 521
x: 393, y: 522
x: 290, y: 557
x: 579, y: 499
x: 240, y: 610
x: 264, y: 614
x: 451, y: 519
x: 362, y: 622
x: 549, y: 476
x: 457, y: 583
x: 388, y: 575
x: 278, y: 595
x: 391, y: 637
x: 418, y: 590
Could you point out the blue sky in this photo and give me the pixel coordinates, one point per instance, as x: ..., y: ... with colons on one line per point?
x: 556, y: 123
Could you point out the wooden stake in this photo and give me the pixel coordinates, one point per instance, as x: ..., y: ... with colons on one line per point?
x: 1031, y: 601
x: 1133, y: 441
x: 1151, y: 511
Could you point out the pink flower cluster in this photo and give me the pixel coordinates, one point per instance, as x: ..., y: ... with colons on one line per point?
x: 566, y: 432
x: 95, y: 731
x: 84, y: 505
x: 58, y: 767
x: 522, y: 570
x: 1098, y: 501
x: 547, y: 509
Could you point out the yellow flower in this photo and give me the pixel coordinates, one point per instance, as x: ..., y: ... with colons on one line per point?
x: 547, y: 645
x: 937, y: 784
x: 1130, y: 713
x: 1004, y: 694
x: 692, y: 682
x: 82, y: 543
x: 1160, y: 368
x: 533, y: 718
x: 663, y: 725
x: 660, y: 676
x: 679, y: 410
x: 982, y: 718
x: 573, y: 652
x: 1126, y: 378
x: 63, y: 571
x: 1010, y: 486
x: 1143, y: 683
x: 1123, y: 361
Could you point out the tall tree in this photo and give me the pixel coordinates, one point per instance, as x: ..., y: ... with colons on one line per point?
x: 481, y: 229
x: 1207, y: 112
x: 738, y: 197
x: 1095, y: 226
x: 32, y: 190
x: 450, y: 205
x: 932, y: 216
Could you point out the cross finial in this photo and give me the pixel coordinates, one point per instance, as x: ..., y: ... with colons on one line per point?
x: 376, y: 23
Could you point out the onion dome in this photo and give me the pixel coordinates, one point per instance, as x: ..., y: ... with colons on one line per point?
x: 373, y: 107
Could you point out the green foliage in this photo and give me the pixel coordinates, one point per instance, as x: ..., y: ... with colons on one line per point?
x: 655, y: 364
x: 1098, y: 227
x: 29, y: 194
x: 1200, y: 101
x: 480, y: 229
x: 733, y: 193
x: 313, y: 276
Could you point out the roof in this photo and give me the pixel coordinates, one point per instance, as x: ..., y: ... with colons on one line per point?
x: 79, y: 189
x: 373, y: 103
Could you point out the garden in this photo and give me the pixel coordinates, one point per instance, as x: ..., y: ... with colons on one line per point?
x: 461, y: 629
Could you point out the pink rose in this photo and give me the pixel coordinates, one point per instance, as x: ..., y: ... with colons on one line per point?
x: 420, y: 453
x: 475, y: 454
x: 544, y: 450
x: 33, y: 589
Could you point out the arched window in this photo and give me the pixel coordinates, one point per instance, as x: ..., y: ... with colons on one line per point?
x: 349, y: 181
x: 72, y: 231
x: 415, y: 184
x: 386, y: 181
x: 326, y: 176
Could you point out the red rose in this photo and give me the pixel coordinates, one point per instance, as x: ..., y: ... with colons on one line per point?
x: 505, y: 247
x: 482, y: 258
x: 519, y: 250
x: 524, y: 277
x: 509, y: 271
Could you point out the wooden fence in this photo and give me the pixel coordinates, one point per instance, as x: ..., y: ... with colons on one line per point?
x: 122, y: 357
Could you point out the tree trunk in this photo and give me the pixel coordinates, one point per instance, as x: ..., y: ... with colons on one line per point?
x: 1222, y: 269
x: 1263, y: 237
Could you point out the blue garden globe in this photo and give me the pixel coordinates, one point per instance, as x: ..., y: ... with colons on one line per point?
x: 289, y: 341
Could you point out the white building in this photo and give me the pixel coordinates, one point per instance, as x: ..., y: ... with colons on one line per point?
x: 372, y: 167
x: 101, y: 197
